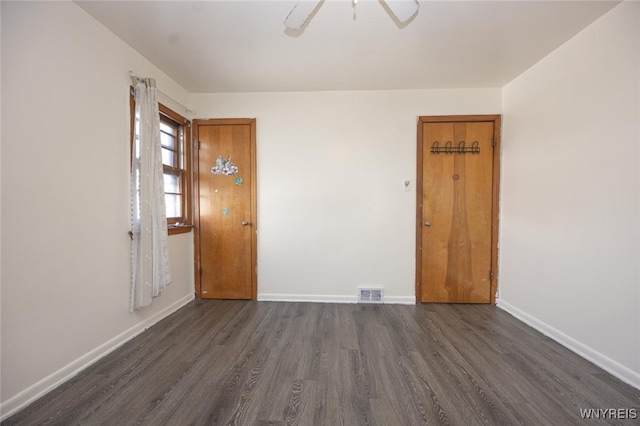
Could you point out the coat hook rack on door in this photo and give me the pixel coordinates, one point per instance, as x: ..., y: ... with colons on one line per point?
x: 460, y: 149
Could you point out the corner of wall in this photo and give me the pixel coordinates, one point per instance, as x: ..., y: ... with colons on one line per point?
x: 606, y: 363
x: 42, y: 387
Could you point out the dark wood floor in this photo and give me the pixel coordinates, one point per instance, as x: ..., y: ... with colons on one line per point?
x: 266, y: 363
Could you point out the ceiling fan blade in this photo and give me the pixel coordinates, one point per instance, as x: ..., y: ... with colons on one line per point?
x: 300, y: 14
x: 403, y: 9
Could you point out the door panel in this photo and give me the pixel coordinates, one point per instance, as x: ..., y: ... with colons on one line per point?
x: 226, y: 210
x: 456, y: 217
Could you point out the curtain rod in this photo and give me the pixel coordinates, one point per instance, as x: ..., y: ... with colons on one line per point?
x: 136, y: 78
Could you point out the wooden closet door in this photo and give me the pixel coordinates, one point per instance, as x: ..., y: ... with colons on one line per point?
x: 456, y: 212
x: 226, y: 222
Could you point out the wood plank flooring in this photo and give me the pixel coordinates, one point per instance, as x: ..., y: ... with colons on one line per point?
x: 265, y: 363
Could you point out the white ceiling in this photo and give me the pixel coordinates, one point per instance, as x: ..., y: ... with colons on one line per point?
x: 242, y: 46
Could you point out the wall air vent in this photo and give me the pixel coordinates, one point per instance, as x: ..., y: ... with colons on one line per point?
x: 370, y: 295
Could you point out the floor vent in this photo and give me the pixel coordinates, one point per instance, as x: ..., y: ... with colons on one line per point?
x: 370, y: 295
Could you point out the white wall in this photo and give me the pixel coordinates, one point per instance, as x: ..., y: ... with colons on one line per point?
x: 332, y: 215
x: 65, y: 202
x: 570, y: 239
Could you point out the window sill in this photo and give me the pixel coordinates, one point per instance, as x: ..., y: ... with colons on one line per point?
x: 182, y: 229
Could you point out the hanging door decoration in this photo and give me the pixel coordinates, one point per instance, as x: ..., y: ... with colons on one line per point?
x: 224, y: 167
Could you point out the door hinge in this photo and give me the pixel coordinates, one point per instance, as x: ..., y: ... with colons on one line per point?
x: 493, y: 142
x: 198, y: 145
x: 490, y: 276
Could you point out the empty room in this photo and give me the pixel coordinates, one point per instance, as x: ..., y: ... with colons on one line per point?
x: 323, y: 212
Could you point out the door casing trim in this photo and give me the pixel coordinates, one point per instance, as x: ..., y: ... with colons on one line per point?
x: 254, y: 199
x: 496, y: 120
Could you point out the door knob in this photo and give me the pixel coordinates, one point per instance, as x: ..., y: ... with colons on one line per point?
x: 427, y: 223
x: 245, y: 223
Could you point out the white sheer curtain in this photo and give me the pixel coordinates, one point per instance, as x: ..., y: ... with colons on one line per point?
x: 149, y: 252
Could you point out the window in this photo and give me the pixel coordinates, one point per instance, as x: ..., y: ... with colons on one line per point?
x: 175, y: 137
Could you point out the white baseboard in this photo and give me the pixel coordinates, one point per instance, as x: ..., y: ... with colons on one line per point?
x: 35, y: 391
x: 611, y: 366
x: 400, y: 300
x: 330, y: 298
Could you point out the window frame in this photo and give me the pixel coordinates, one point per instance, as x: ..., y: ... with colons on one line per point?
x: 184, y: 223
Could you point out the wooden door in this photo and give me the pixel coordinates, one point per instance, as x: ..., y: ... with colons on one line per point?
x: 226, y: 209
x: 457, y: 208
